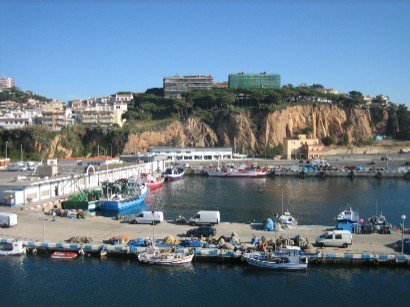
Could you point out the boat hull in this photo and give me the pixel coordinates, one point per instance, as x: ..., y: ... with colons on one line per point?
x: 214, y: 173
x: 172, y: 259
x: 294, y: 263
x: 155, y: 185
x: 64, y: 255
x: 122, y: 204
x: 12, y: 249
x: 172, y: 177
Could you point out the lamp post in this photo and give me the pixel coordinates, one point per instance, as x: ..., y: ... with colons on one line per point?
x: 403, y: 217
x: 7, y: 142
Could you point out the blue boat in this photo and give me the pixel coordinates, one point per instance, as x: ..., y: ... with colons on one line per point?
x: 123, y: 194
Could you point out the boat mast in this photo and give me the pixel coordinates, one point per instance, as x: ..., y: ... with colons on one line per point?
x: 282, y: 201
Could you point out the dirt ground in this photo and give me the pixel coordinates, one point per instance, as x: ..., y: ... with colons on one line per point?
x: 32, y: 227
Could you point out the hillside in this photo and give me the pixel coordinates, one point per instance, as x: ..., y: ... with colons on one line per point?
x: 252, y: 122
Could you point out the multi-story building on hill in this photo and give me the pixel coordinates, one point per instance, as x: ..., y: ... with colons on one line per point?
x: 6, y: 83
x: 14, y: 120
x: 56, y: 116
x: 253, y: 81
x: 175, y: 87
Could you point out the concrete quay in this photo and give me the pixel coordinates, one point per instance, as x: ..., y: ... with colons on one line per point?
x: 40, y: 232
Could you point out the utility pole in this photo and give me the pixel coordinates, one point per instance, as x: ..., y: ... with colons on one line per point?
x: 21, y: 152
x: 6, y: 148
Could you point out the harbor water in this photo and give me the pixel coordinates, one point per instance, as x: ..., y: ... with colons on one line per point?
x: 313, y: 201
x: 41, y: 281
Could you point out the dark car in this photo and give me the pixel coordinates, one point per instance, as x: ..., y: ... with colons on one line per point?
x: 181, y: 220
x: 204, y: 231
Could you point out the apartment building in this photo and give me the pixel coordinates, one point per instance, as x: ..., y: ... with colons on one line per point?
x: 176, y: 86
x: 253, y: 81
x: 6, y: 82
x: 56, y: 116
x: 14, y: 120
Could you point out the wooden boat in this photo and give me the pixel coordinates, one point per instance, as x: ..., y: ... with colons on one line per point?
x: 290, y: 259
x: 155, y: 256
x: 12, y: 248
x: 64, y: 255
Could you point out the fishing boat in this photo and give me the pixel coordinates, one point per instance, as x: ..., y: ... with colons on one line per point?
x: 379, y: 222
x: 64, y: 255
x: 12, y: 248
x: 174, y: 173
x: 289, y: 259
x: 123, y: 194
x: 154, y: 182
x: 154, y: 255
x: 348, y: 216
x: 247, y: 170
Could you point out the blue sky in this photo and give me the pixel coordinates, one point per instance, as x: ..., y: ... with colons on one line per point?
x: 73, y: 49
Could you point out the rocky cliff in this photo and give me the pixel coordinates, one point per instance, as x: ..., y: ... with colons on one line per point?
x: 254, y: 132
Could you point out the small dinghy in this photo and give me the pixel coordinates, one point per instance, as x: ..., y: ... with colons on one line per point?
x: 64, y: 255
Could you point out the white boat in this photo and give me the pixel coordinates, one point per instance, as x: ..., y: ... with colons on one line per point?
x: 174, y: 173
x: 12, y: 248
x: 155, y: 256
x: 348, y: 215
x: 241, y: 170
x: 286, y: 219
x: 290, y: 259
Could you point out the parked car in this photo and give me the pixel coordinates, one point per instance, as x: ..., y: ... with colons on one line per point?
x: 372, y: 162
x: 205, y: 231
x: 385, y: 158
x: 181, y: 220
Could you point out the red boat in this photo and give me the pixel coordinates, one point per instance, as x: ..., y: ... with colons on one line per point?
x: 64, y: 255
x: 154, y: 182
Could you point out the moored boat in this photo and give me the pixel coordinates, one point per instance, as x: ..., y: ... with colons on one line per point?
x: 64, y: 255
x: 155, y: 256
x: 348, y: 216
x: 123, y: 195
x: 174, y: 173
x: 289, y: 259
x: 154, y: 182
x: 286, y: 219
x: 241, y: 170
x: 12, y: 248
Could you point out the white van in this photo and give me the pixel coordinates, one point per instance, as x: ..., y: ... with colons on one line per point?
x: 149, y: 217
x: 339, y: 238
x: 8, y: 219
x: 205, y: 218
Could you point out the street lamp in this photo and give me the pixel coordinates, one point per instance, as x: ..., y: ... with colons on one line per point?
x: 403, y: 217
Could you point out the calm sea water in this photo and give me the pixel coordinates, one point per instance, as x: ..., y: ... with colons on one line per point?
x: 41, y: 281
x: 313, y: 201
